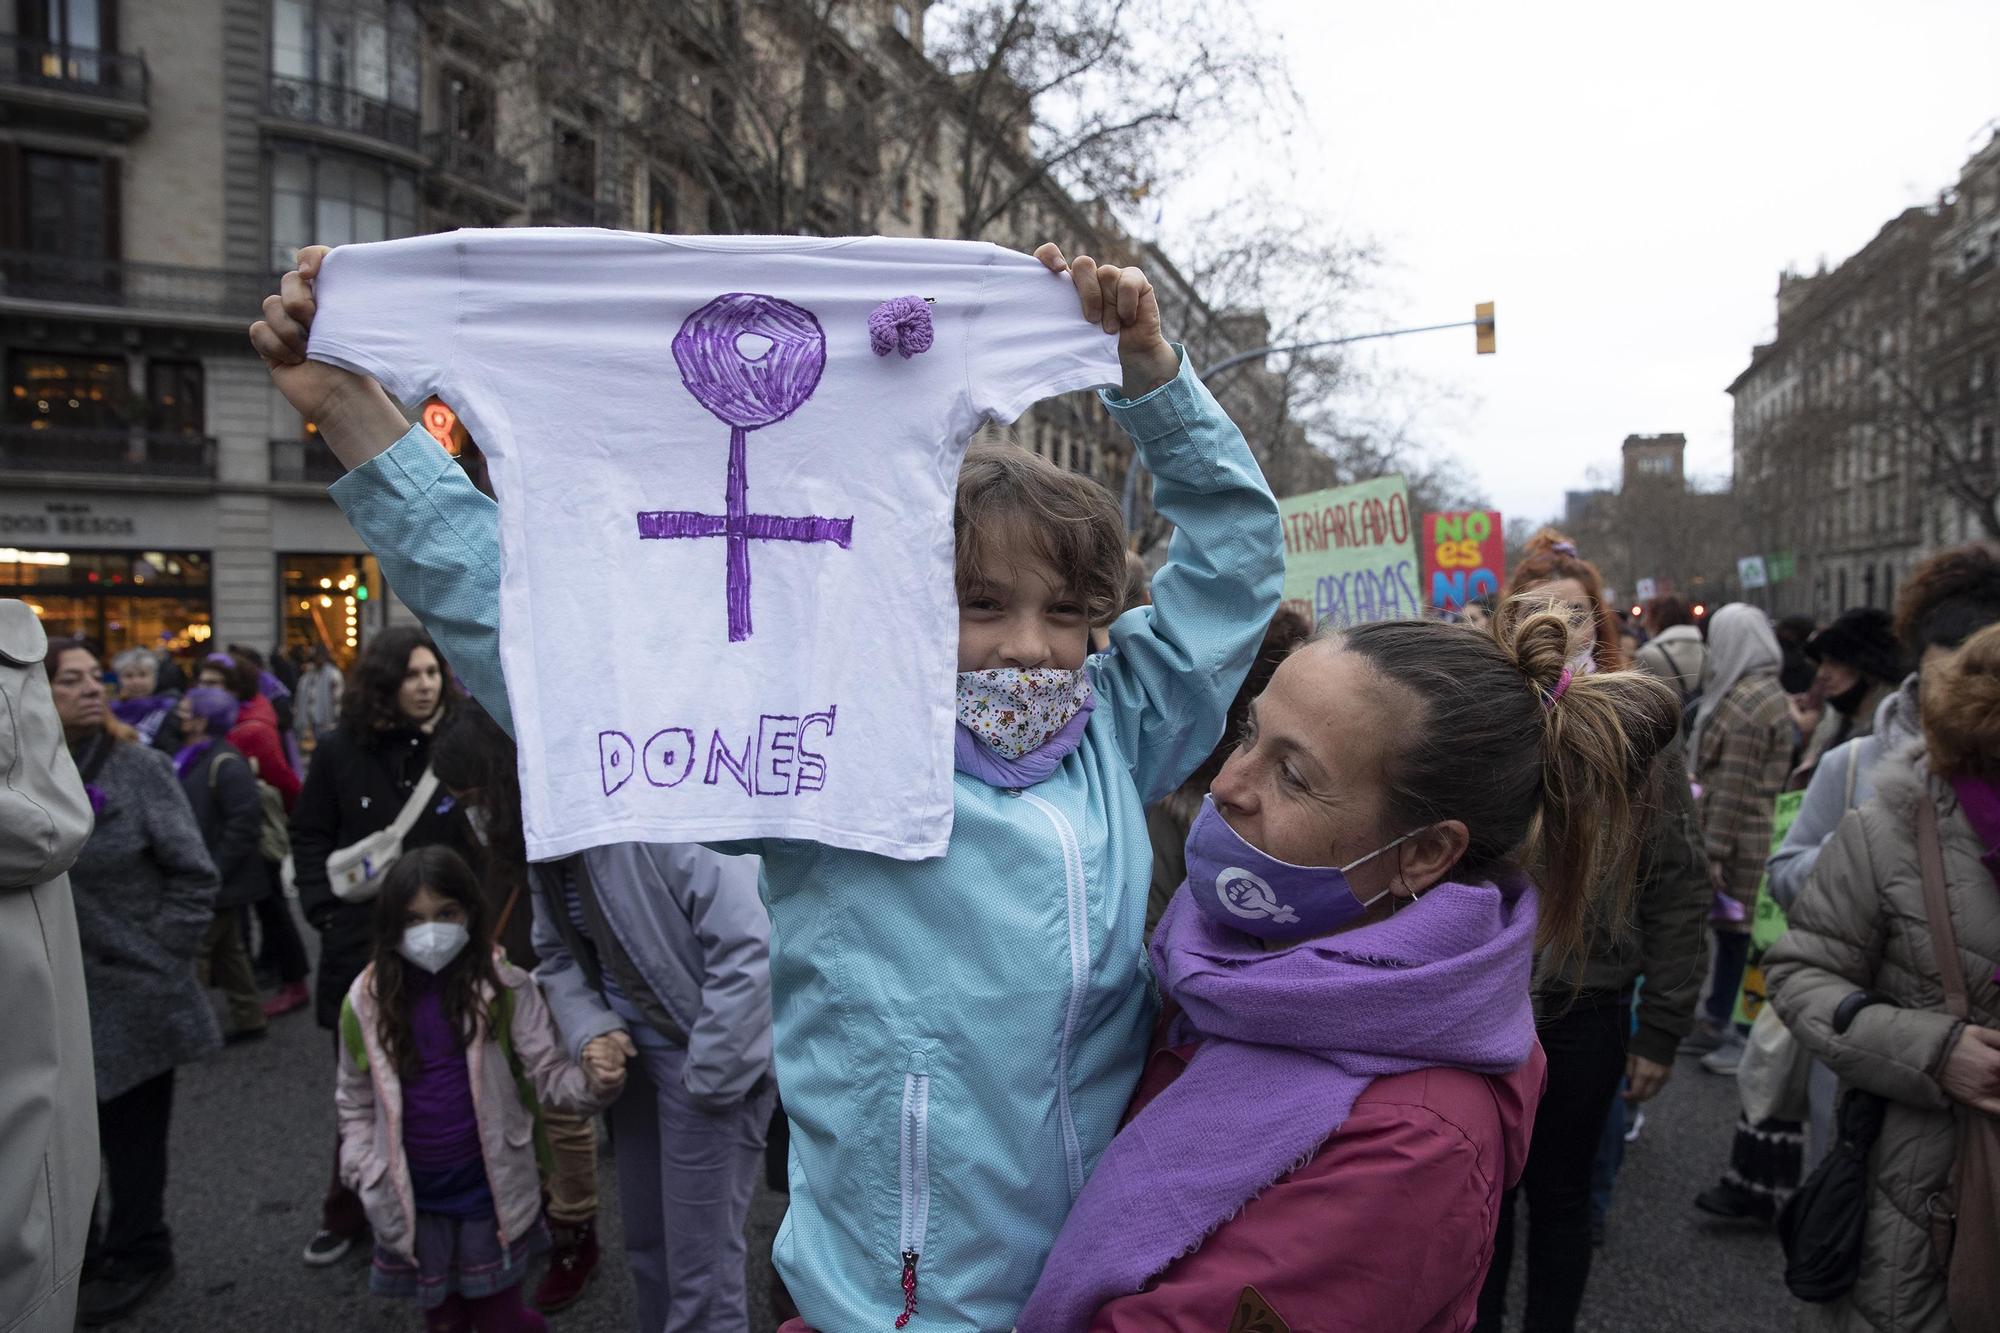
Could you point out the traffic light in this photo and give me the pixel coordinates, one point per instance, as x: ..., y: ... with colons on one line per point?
x: 1482, y: 320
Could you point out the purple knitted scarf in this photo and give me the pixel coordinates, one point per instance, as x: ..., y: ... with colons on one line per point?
x: 1289, y: 1039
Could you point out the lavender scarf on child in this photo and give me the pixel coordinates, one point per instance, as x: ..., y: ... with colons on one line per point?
x: 1288, y: 1039
x: 976, y: 759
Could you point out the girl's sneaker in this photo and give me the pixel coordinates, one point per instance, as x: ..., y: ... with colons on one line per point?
x: 287, y: 999
x: 571, y: 1262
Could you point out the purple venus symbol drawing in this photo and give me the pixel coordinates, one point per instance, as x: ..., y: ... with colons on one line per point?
x: 750, y: 360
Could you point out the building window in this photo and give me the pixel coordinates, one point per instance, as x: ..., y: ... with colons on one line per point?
x: 69, y: 205
x: 329, y: 198
x: 469, y: 108
x: 371, y: 47
x: 67, y: 392
x: 576, y: 161
x: 662, y: 209
x: 174, y: 403
x: 929, y: 225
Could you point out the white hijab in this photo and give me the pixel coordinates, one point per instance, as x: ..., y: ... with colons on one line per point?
x: 1740, y: 644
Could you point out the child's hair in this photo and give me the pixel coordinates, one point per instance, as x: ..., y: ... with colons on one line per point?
x: 471, y: 753
x: 215, y: 706
x: 1948, y: 597
x: 1961, y: 707
x: 1542, y: 766
x: 1551, y: 557
x: 469, y: 978
x: 1013, y: 502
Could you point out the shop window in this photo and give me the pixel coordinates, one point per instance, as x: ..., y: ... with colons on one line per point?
x: 329, y: 601
x: 174, y: 398
x: 67, y: 392
x: 116, y: 599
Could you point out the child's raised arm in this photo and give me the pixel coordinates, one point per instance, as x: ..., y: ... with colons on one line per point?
x: 1174, y: 666
x: 437, y: 536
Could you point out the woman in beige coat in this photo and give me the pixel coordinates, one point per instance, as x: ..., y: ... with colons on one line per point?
x: 48, y: 1098
x: 1860, y: 925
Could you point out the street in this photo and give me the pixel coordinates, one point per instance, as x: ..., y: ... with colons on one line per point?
x: 253, y: 1137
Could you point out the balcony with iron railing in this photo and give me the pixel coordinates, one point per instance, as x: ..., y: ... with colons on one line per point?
x: 475, y: 166
x: 116, y: 450
x: 77, y: 80
x: 554, y: 205
x: 305, y: 461
x: 169, y: 289
x: 330, y: 106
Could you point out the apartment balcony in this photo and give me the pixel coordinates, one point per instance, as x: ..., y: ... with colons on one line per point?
x: 305, y: 462
x: 56, y: 284
x: 345, y: 116
x: 554, y: 205
x: 72, y: 86
x: 475, y: 169
x: 116, y: 451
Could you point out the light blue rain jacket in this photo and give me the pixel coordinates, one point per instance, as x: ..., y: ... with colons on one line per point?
x: 957, y: 1038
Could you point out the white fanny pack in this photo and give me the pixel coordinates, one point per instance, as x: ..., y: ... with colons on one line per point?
x: 355, y: 871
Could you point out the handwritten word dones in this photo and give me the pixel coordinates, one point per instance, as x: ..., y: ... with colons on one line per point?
x: 772, y: 757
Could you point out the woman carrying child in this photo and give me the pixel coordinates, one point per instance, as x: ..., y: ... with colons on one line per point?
x: 956, y: 1038
x: 1342, y: 1087
x: 446, y: 1053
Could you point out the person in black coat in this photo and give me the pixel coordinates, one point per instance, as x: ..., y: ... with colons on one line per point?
x: 362, y: 775
x: 222, y: 791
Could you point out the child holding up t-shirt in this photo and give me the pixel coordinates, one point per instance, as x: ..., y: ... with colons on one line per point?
x: 956, y: 1038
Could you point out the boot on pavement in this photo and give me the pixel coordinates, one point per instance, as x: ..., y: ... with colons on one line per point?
x: 1728, y: 1200
x: 115, y: 1290
x: 571, y: 1262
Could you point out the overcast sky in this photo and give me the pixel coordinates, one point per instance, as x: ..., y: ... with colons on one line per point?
x: 1625, y: 181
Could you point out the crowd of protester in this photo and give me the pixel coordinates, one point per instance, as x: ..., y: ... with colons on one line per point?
x: 1533, y: 853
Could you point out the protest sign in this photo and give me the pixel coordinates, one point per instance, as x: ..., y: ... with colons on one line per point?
x: 1646, y: 590
x: 1464, y: 557
x: 1750, y: 571
x: 1351, y: 553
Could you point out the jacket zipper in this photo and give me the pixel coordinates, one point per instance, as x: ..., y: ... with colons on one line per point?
x: 916, y: 1181
x: 1079, y: 975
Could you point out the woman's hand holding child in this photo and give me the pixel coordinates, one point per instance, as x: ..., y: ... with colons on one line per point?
x: 604, y: 1060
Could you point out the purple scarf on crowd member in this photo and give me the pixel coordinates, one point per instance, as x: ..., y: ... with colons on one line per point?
x: 190, y: 754
x: 1980, y: 800
x: 1288, y: 1039
x: 144, y: 715
x: 976, y: 759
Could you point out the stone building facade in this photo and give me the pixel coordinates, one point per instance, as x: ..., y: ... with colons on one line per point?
x: 1864, y: 431
x: 160, y: 163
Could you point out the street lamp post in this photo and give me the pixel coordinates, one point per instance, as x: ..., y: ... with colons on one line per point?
x: 1482, y: 321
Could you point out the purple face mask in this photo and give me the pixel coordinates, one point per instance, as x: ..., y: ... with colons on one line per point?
x: 1244, y: 889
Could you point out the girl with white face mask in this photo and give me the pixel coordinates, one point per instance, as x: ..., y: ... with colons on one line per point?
x: 437, y: 1136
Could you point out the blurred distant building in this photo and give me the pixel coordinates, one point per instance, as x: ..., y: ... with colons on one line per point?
x: 161, y: 162
x: 1864, y: 431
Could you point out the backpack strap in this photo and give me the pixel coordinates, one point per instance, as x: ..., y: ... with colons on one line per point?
x: 503, y: 1032
x: 350, y: 1035
x: 1937, y: 907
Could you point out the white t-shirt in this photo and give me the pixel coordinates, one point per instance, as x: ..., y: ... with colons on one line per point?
x: 726, y: 602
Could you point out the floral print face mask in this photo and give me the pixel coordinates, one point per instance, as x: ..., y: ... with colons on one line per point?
x: 1015, y: 710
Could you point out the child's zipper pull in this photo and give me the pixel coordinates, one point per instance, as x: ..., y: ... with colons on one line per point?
x: 909, y: 1288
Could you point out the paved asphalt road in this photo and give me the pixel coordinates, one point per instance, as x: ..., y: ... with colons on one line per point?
x: 253, y: 1137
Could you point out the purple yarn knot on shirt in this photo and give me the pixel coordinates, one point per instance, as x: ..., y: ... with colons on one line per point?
x: 901, y: 325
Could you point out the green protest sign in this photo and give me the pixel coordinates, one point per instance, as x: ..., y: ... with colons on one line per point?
x: 1767, y: 919
x: 1351, y: 553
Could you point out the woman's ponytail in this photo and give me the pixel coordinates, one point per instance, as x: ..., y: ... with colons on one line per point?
x: 1600, y: 736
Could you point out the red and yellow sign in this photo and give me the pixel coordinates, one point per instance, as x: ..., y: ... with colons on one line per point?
x: 1465, y: 556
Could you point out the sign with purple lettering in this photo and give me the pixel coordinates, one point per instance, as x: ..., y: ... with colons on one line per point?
x: 1351, y: 553
x: 750, y: 360
x: 723, y: 471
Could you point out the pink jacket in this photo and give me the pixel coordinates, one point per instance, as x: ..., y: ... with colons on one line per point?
x: 1388, y: 1229
x: 370, y: 1108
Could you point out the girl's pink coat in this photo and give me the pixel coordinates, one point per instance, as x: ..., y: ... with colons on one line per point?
x: 370, y: 1108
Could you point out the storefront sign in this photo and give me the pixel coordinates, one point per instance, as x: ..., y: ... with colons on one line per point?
x: 62, y: 518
